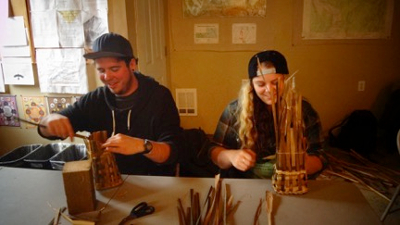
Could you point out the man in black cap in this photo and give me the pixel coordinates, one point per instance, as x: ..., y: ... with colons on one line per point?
x: 138, y: 113
x: 244, y: 140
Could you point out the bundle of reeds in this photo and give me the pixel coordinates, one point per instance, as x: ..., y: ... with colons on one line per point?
x: 217, y: 207
x: 290, y: 176
x: 105, y: 170
x: 353, y: 167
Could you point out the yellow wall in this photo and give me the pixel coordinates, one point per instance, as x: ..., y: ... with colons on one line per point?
x: 328, y: 75
x: 328, y: 70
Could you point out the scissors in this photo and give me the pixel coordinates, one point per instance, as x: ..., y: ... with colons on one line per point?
x: 142, y: 209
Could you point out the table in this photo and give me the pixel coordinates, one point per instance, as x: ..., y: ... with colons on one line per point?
x: 26, y: 194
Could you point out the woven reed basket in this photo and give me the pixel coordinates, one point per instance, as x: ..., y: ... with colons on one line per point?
x: 290, y: 175
x: 105, y: 170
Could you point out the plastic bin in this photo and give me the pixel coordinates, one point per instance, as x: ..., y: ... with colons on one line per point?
x: 15, y: 158
x: 41, y: 157
x: 72, y: 153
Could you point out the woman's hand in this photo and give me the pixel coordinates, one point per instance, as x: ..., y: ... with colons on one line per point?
x: 313, y: 164
x: 242, y: 159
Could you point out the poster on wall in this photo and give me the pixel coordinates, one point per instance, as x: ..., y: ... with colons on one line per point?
x: 34, y: 109
x: 244, y: 33
x: 206, y: 33
x: 347, y: 19
x: 57, y: 103
x: 9, y: 111
x: 232, y: 8
x: 18, y: 71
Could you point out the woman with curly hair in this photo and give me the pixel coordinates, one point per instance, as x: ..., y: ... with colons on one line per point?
x: 244, y: 140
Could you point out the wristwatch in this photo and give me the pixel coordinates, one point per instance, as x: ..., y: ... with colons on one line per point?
x: 148, y: 146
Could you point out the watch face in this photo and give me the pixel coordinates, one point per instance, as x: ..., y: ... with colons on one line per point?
x: 148, y: 146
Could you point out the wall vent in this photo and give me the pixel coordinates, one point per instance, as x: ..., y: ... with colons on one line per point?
x: 186, y: 101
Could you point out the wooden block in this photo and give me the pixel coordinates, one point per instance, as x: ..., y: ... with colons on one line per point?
x: 79, y: 188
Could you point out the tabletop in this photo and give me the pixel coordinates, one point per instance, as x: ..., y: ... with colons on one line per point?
x: 27, y: 194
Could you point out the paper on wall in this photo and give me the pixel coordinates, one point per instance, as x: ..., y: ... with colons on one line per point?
x: 206, y: 33
x: 14, y: 34
x: 16, y: 51
x: 18, y: 71
x: 62, y: 70
x: 95, y: 24
x: 69, y: 4
x: 40, y: 5
x: 244, y: 33
x: 2, y: 87
x: 44, y: 29
x: 70, y: 29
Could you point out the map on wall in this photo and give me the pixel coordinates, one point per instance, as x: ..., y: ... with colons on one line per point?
x: 231, y: 8
x: 347, y: 19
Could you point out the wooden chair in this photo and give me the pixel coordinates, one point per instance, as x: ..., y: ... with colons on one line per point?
x: 397, y: 191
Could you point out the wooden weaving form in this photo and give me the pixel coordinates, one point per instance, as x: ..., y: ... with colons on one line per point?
x: 78, y: 186
x: 105, y: 170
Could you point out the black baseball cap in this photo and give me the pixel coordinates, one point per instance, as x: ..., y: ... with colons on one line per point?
x: 273, y: 56
x: 110, y: 45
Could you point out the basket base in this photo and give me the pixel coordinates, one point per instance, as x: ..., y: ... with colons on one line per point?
x: 290, y: 182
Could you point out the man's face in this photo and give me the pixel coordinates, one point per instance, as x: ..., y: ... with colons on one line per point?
x: 265, y: 85
x: 116, y: 75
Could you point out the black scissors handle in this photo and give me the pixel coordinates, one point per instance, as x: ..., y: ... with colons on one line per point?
x: 141, y: 209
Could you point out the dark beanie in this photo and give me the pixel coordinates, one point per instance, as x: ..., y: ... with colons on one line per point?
x: 276, y: 58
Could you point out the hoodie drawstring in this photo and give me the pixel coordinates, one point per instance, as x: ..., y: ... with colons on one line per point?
x: 128, y: 121
x: 113, y: 117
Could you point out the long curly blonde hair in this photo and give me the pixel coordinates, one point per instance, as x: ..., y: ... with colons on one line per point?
x: 255, y: 120
x: 247, y: 130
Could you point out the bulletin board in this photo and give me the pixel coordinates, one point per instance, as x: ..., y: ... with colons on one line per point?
x: 58, y: 33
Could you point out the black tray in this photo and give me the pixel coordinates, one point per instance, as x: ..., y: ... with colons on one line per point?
x: 41, y: 157
x: 15, y: 158
x: 75, y: 152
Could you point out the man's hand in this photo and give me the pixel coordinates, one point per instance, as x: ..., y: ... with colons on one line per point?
x: 123, y: 144
x: 127, y: 145
x: 57, y: 125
